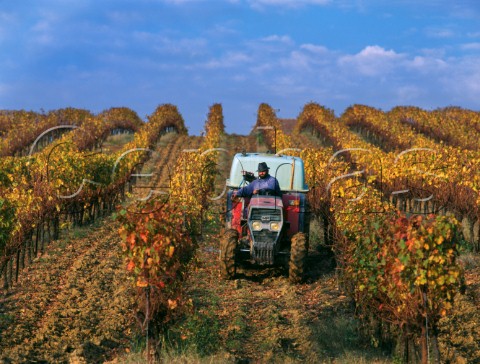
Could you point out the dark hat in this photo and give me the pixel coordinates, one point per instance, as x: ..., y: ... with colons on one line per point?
x: 262, y: 167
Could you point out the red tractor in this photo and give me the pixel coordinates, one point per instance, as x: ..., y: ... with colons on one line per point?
x: 266, y: 228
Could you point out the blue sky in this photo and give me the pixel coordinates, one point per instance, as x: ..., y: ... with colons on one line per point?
x: 96, y: 54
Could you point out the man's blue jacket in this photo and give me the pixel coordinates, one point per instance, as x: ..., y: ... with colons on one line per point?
x: 269, y: 182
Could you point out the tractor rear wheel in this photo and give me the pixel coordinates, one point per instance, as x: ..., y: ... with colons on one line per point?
x: 228, y: 250
x: 298, y: 257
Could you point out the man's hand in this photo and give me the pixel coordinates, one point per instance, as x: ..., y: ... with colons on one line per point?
x: 255, y: 192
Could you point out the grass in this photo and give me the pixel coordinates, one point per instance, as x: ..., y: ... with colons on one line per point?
x: 199, y: 332
x: 339, y: 340
x: 6, y: 319
x: 70, y: 232
x: 189, y: 355
x: 235, y: 338
x: 117, y: 141
x: 470, y: 260
x: 193, y: 339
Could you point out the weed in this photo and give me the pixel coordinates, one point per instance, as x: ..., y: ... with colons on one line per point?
x: 197, y: 333
x: 237, y: 333
x: 469, y: 260
x: 338, y: 338
x: 6, y: 319
x: 316, y: 234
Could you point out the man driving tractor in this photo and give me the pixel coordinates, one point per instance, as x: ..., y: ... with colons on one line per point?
x: 270, y: 228
x: 264, y: 182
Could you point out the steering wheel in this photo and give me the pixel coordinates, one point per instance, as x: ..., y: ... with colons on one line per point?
x: 266, y: 192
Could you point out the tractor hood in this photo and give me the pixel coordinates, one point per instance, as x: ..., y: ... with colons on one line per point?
x: 266, y: 202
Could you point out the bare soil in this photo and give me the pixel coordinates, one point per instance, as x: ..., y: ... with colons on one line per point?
x: 74, y: 302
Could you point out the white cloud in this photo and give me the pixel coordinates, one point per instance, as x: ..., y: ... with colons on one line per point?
x: 260, y: 68
x: 371, y: 61
x: 307, y: 58
x: 473, y: 35
x: 42, y: 26
x: 471, y: 46
x: 287, y: 3
x: 439, y: 33
x: 462, y: 79
x: 298, y: 61
x: 278, y: 38
x: 433, y: 52
x: 229, y: 60
x: 6, y: 18
x: 179, y: 2
x: 164, y: 44
x: 314, y: 48
x: 270, y: 45
x: 4, y: 89
x: 426, y: 65
x: 287, y: 85
x: 408, y: 94
x: 42, y: 33
x: 124, y: 16
x: 222, y: 31
x: 7, y: 25
x: 47, y: 29
x: 239, y: 78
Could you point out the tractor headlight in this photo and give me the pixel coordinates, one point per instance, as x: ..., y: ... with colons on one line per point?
x: 274, y: 226
x: 256, y: 225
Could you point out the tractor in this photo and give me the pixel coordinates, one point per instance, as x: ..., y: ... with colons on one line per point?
x: 266, y: 229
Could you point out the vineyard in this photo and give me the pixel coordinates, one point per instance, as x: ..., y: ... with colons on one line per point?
x: 110, y: 230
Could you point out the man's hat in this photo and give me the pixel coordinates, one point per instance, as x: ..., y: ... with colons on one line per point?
x: 262, y: 167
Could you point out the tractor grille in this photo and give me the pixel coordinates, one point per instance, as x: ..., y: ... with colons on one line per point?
x: 266, y: 214
x: 264, y: 246
x: 264, y: 240
x: 263, y: 252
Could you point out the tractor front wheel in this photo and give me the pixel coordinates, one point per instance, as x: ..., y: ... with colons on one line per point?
x: 298, y: 257
x: 228, y: 250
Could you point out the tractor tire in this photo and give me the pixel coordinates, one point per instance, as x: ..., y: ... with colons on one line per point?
x: 298, y: 258
x: 228, y: 250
